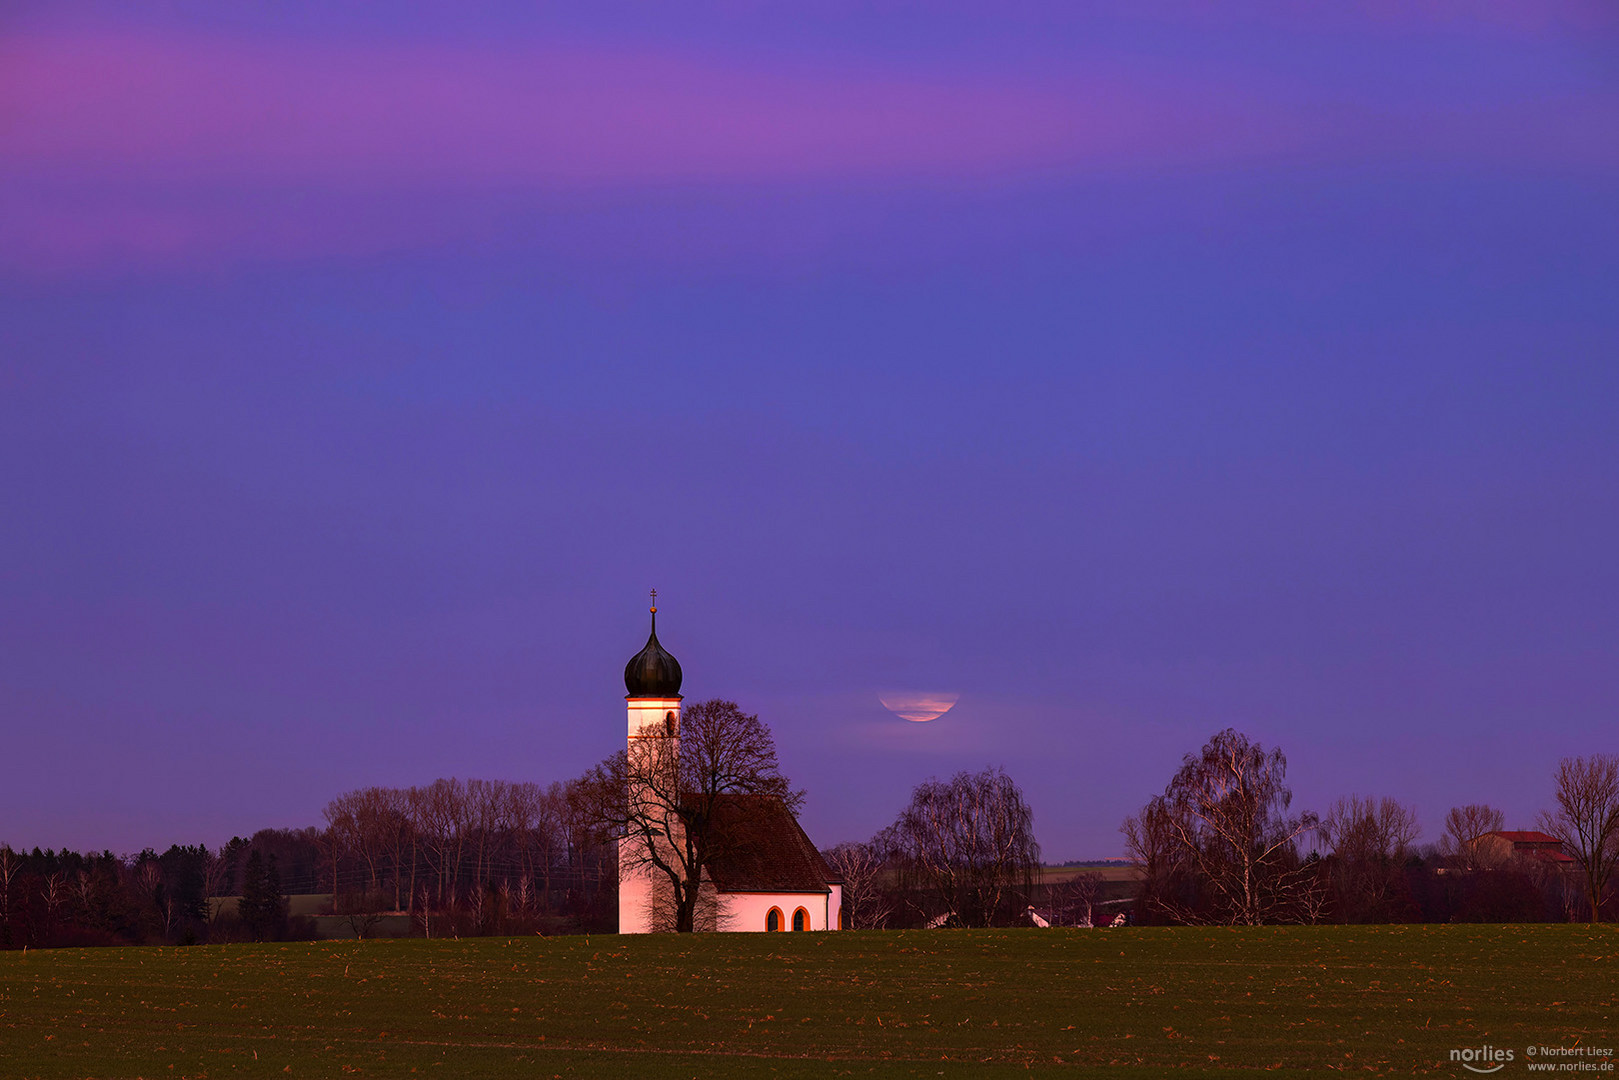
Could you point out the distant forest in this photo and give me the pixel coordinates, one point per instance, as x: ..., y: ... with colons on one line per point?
x: 472, y: 857
x: 454, y: 857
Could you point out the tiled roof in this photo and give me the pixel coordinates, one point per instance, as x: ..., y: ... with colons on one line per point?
x: 1530, y: 837
x: 763, y: 849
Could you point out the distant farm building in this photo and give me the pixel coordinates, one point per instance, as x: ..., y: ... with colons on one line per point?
x: 1495, y: 848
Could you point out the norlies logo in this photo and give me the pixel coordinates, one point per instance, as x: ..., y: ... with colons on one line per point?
x: 1482, y: 1059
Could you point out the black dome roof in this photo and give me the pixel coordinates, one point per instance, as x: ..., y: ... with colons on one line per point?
x: 652, y: 672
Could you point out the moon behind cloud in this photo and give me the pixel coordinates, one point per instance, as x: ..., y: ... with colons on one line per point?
x: 918, y: 707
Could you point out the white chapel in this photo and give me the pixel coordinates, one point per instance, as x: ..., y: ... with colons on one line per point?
x: 771, y: 878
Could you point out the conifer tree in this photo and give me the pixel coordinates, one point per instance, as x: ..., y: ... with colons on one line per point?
x: 263, y: 906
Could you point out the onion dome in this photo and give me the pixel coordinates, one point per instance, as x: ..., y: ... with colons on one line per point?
x: 652, y: 672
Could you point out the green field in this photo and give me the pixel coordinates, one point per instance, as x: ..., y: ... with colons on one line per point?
x: 1133, y: 1002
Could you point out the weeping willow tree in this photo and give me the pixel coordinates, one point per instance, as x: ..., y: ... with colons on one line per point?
x: 969, y: 843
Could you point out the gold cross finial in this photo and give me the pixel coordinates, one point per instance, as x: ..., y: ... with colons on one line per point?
x: 654, y: 601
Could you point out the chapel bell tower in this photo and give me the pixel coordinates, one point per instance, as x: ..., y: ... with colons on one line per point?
x: 652, y: 685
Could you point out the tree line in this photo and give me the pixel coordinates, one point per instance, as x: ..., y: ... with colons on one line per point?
x: 474, y: 856
x: 1222, y: 845
x: 51, y: 898
x: 455, y: 856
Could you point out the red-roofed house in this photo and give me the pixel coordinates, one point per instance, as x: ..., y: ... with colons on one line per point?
x: 1494, y: 848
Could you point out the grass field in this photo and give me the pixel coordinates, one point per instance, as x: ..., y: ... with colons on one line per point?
x: 1126, y: 1003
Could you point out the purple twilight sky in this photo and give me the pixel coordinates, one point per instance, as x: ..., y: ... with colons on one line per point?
x: 1131, y: 374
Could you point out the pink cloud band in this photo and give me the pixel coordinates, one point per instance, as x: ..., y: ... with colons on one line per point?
x: 130, y: 114
x: 208, y: 107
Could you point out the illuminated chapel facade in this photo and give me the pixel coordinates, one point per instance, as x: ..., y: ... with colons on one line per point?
x: 770, y: 878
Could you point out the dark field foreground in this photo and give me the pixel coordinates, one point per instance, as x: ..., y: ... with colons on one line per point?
x: 954, y: 1003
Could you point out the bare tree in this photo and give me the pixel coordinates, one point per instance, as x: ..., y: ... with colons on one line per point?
x: 150, y: 876
x: 1168, y: 886
x: 664, y: 798
x: 553, y: 834
x: 218, y: 876
x: 1072, y: 900
x: 972, y: 840
x: 861, y: 867
x: 9, y: 866
x: 363, y: 923
x: 424, y: 914
x: 439, y: 814
x: 589, y: 841
x: 522, y: 896
x: 358, y: 823
x: 524, y: 822
x: 373, y: 827
x: 1224, y: 817
x: 1587, y: 821
x: 168, y: 910
x: 54, y: 893
x: 84, y: 891
x: 1463, y: 826
x: 1370, y: 840
x: 486, y: 820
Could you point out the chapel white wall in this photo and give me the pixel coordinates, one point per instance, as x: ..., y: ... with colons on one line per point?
x: 745, y: 912
x: 643, y: 892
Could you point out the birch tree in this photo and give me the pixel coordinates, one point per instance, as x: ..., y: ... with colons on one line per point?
x: 1225, y: 818
x: 861, y: 867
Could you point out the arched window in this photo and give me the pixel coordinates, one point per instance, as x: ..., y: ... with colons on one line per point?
x: 840, y: 917
x: 669, y: 722
x: 773, y: 920
x: 800, y: 919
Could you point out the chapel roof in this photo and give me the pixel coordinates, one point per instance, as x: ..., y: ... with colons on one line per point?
x: 764, y: 849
